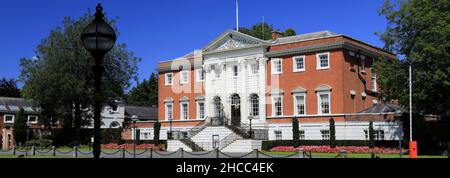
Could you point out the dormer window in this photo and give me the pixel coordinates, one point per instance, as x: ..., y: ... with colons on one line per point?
x: 8, y: 118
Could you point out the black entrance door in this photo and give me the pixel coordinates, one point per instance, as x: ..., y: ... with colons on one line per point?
x: 236, y: 110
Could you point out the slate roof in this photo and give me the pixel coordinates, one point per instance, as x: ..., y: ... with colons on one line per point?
x: 304, y: 37
x: 143, y: 113
x: 384, y: 108
x: 13, y: 105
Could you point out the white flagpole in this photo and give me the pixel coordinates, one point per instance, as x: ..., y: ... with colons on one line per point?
x: 237, y: 15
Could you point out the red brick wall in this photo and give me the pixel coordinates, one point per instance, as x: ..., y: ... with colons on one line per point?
x: 177, y: 91
x: 310, y: 80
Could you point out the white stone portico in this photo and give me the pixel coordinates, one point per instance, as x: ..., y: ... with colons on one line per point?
x: 235, y: 65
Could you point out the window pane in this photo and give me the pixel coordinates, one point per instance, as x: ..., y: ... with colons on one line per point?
x: 255, y: 105
x: 325, y: 103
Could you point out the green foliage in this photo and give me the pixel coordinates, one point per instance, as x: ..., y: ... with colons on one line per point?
x: 42, y: 143
x: 156, y: 130
x: 111, y: 136
x: 371, y: 135
x: 295, y: 131
x: 418, y: 32
x: 332, y: 133
x: 20, y: 127
x: 289, y: 32
x: 60, y: 78
x: 264, y: 31
x: 8, y: 88
x: 145, y: 93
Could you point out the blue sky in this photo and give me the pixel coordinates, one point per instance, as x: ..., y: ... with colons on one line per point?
x: 158, y: 30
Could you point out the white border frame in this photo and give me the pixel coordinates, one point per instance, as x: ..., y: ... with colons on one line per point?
x: 13, y: 118
x: 294, y: 64
x: 273, y: 105
x: 166, y: 111
x: 319, y: 101
x: 296, y: 102
x: 35, y: 122
x: 166, y: 79
x: 318, y: 67
x: 272, y: 66
x: 181, y: 110
x: 181, y: 77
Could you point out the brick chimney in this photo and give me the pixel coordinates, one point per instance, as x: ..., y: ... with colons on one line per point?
x: 276, y: 35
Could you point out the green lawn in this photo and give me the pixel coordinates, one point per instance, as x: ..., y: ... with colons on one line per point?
x: 357, y: 155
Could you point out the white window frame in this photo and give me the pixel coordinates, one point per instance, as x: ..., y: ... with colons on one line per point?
x: 167, y: 79
x: 275, y: 72
x: 252, y: 106
x: 274, y: 107
x: 280, y: 134
x: 200, y: 75
x: 373, y: 80
x: 301, y: 134
x: 182, y: 118
x: 296, y: 102
x: 198, y: 110
x: 319, y: 67
x: 294, y: 62
x: 319, y: 102
x: 182, y: 73
x: 252, y: 71
x: 324, y: 134
x: 167, y: 111
x: 8, y: 122
x: 34, y: 122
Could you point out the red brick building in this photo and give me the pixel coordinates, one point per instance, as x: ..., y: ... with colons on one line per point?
x: 238, y: 80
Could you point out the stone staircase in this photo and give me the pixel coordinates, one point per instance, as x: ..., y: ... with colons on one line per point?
x: 230, y: 139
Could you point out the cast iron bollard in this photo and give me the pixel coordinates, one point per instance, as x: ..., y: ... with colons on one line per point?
x: 257, y: 153
x: 182, y: 152
x: 216, y: 150
x: 151, y: 152
x: 54, y: 150
x: 301, y: 153
x: 344, y: 154
x: 14, y: 150
x: 76, y: 151
x: 33, y: 150
x: 123, y: 152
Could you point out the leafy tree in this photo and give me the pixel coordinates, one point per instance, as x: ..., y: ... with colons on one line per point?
x: 60, y: 78
x: 332, y: 133
x: 20, y: 127
x: 156, y: 130
x: 418, y: 32
x: 264, y: 31
x: 289, y: 32
x: 8, y: 88
x: 145, y: 93
x: 371, y: 135
x: 295, y: 131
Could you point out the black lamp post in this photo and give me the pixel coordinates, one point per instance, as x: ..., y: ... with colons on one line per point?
x: 250, y: 118
x: 28, y: 133
x: 135, y: 119
x: 170, y: 131
x: 98, y: 38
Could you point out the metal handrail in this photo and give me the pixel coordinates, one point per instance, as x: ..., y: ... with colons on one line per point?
x: 228, y: 140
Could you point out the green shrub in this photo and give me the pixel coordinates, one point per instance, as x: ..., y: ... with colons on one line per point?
x: 42, y: 143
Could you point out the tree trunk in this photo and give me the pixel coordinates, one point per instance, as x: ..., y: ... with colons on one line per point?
x: 77, y: 123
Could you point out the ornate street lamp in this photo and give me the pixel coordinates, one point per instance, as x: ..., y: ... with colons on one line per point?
x: 250, y: 118
x: 98, y: 38
x: 28, y: 134
x: 134, y: 118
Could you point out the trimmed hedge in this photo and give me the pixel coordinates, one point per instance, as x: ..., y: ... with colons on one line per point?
x: 267, y: 145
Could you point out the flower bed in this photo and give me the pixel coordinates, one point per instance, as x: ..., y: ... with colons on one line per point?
x: 131, y: 146
x: 349, y: 149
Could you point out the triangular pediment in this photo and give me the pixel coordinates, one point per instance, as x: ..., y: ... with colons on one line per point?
x: 233, y: 40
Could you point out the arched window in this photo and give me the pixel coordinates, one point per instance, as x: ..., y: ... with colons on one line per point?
x: 217, y: 106
x: 235, y: 100
x: 254, y: 105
